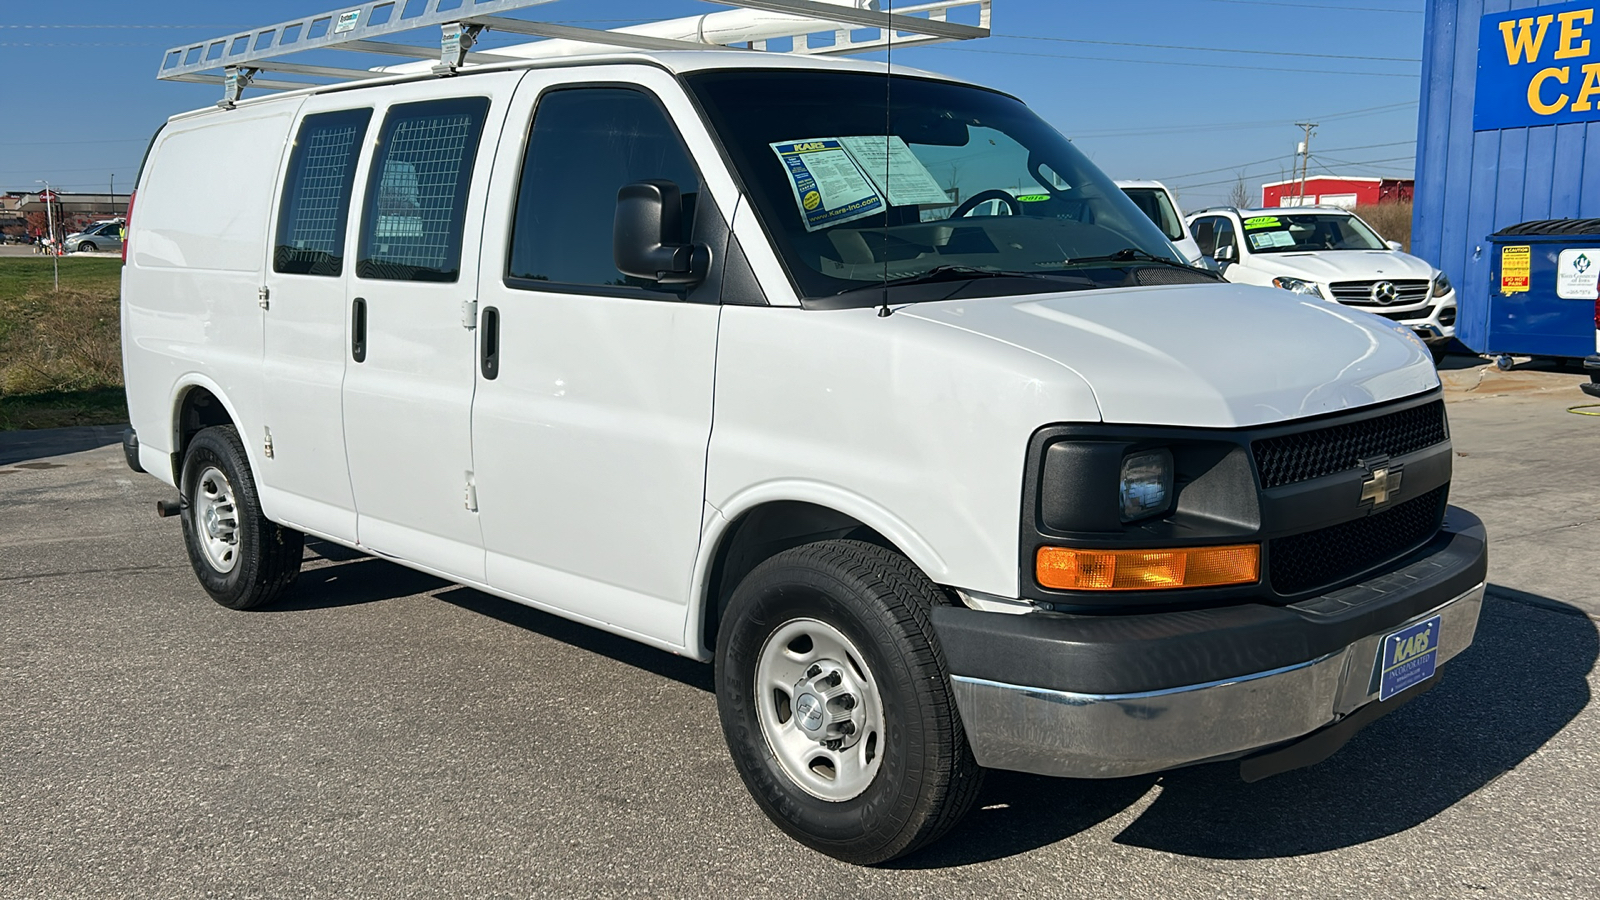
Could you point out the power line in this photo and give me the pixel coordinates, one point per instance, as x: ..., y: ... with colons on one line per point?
x: 1240, y: 126
x: 57, y: 143
x: 1164, y: 62
x: 1276, y: 159
x: 1321, y: 6
x: 1060, y: 40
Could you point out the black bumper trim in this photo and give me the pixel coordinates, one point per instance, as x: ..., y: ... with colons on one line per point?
x: 130, y: 449
x: 1112, y: 654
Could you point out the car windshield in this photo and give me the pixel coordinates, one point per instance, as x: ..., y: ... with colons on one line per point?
x: 966, y: 184
x: 1153, y: 202
x: 1290, y: 232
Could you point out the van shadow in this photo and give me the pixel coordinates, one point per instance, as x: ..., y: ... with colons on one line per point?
x: 353, y: 578
x: 1522, y: 681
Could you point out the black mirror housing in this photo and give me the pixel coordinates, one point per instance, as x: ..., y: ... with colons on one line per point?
x: 647, y: 236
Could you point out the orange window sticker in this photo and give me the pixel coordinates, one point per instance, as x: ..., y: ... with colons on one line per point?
x: 1514, y: 273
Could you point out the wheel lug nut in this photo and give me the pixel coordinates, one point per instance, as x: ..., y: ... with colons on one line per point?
x: 847, y: 728
x: 814, y: 671
x: 833, y: 679
x: 848, y: 701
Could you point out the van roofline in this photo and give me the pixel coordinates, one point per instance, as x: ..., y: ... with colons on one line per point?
x: 676, y: 62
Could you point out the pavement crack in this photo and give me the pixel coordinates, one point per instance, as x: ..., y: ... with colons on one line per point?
x: 117, y: 569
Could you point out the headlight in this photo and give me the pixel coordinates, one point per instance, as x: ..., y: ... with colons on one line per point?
x: 1441, y: 285
x: 1295, y: 285
x: 1146, y: 487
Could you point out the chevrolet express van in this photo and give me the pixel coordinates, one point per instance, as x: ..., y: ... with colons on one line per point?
x: 704, y: 349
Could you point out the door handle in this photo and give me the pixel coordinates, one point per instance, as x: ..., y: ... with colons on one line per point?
x: 358, y: 330
x: 489, y: 336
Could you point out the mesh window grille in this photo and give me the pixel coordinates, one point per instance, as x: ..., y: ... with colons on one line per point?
x: 418, y: 193
x: 317, y: 204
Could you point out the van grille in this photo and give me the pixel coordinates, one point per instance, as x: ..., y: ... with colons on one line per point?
x: 1359, y: 293
x: 1305, y: 455
x: 1302, y: 562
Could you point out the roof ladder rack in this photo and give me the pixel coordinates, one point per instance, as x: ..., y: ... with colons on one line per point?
x: 237, y: 61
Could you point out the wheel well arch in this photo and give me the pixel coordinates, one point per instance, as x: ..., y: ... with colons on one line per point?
x: 762, y: 532
x: 196, y: 407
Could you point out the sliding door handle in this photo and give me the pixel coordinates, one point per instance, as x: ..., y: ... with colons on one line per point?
x: 489, y: 336
x: 358, y: 330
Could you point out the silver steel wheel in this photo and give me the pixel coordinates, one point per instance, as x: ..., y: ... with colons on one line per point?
x: 819, y: 709
x: 216, y: 519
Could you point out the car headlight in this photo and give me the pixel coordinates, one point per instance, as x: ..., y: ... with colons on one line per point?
x: 1441, y: 285
x: 1295, y: 285
x: 1146, y: 487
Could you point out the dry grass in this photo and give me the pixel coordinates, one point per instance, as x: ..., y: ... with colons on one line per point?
x: 60, y: 350
x: 1393, y: 220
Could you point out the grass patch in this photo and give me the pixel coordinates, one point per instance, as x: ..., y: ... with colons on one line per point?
x: 60, y: 350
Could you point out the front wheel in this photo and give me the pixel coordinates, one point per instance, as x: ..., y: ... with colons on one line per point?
x: 836, y: 705
x: 85, y: 247
x: 242, y: 559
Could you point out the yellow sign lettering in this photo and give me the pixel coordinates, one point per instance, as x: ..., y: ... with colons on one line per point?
x: 1526, y: 40
x: 1570, y: 32
x: 1590, y: 89
x: 1536, y: 101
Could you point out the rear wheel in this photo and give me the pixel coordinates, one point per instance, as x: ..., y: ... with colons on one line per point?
x: 242, y: 559
x: 836, y: 704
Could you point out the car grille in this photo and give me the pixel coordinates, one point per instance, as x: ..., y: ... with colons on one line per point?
x: 1305, y: 455
x: 1302, y: 562
x: 1359, y: 293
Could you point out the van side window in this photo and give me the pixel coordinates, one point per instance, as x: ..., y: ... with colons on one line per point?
x: 416, y: 200
x: 316, y: 193
x: 586, y: 144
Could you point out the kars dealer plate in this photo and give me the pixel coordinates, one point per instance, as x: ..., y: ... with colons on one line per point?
x: 1408, y: 657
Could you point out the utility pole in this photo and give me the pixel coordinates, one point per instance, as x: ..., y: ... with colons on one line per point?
x: 1305, y: 158
x: 50, y: 217
x: 111, y: 199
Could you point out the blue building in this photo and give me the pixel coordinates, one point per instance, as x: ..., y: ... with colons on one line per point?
x: 1509, y: 132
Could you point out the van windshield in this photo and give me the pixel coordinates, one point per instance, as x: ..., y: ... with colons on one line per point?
x: 949, y: 182
x: 1291, y: 232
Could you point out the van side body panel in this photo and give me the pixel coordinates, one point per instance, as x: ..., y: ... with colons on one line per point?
x: 190, y: 287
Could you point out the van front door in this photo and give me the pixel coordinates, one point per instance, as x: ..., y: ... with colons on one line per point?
x: 408, y: 386
x: 593, y: 409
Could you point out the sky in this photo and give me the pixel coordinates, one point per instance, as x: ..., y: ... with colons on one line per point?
x: 1196, y: 93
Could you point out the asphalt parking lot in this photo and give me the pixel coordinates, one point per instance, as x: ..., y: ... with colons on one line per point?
x: 385, y: 733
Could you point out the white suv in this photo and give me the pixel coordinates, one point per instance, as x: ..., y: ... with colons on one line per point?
x: 1330, y: 253
x: 655, y: 342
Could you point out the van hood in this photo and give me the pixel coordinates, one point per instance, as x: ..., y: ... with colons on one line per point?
x: 1211, y: 356
x: 1343, y: 265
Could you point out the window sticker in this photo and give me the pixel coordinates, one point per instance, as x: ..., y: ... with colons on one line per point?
x: 1032, y: 198
x: 829, y: 188
x: 909, y: 181
x: 1262, y: 222
x: 1260, y: 241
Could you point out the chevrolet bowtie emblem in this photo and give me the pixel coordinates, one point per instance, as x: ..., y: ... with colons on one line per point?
x: 1381, y: 484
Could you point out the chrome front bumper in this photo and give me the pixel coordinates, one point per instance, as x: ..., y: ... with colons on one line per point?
x: 1074, y: 735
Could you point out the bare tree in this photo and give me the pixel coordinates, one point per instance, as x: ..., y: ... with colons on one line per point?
x: 1239, y: 195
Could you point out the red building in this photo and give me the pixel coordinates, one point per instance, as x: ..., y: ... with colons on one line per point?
x: 1327, y: 190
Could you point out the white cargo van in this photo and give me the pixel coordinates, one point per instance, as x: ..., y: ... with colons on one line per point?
x: 700, y: 348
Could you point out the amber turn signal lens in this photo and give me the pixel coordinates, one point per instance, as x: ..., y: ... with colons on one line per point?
x: 1065, y: 569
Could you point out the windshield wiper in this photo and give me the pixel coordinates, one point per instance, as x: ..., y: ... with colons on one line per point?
x: 939, y: 274
x: 1134, y: 254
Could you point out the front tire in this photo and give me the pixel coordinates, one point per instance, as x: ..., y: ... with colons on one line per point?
x: 836, y: 705
x: 242, y: 559
x: 86, y: 247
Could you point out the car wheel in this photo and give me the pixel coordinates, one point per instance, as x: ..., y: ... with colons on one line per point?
x: 85, y: 247
x: 836, y: 705
x: 242, y: 559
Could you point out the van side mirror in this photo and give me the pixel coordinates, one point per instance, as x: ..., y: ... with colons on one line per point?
x: 1224, y: 254
x: 647, y: 236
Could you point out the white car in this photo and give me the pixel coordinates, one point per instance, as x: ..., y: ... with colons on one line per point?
x: 1332, y: 254
x: 1156, y: 200
x: 643, y: 339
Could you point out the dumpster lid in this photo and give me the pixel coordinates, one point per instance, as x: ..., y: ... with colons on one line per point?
x: 1550, y: 227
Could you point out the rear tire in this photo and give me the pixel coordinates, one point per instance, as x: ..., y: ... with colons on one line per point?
x: 871, y: 761
x: 241, y: 559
